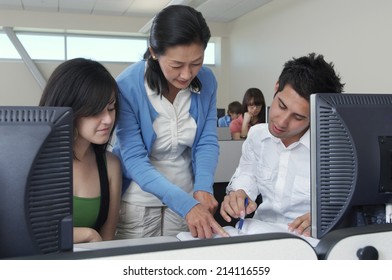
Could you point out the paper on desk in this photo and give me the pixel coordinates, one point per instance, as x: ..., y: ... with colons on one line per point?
x: 253, y: 226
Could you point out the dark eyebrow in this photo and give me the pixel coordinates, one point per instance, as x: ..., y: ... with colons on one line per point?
x: 298, y: 115
x: 301, y: 116
x: 281, y: 101
x: 113, y: 100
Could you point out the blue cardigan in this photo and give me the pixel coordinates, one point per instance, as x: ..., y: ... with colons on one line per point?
x: 135, y: 136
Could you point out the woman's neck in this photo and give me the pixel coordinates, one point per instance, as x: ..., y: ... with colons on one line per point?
x: 172, y: 94
x: 82, y: 149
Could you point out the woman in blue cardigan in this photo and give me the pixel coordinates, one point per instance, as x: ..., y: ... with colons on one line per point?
x: 166, y: 133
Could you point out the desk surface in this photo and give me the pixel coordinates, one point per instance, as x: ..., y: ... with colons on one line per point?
x: 123, y: 243
x: 271, y: 246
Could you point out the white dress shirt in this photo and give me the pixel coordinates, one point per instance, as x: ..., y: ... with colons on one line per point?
x: 280, y: 174
x: 171, y: 152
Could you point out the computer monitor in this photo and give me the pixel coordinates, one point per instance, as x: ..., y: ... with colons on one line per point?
x: 35, y: 181
x: 220, y: 112
x: 267, y: 113
x: 351, y: 160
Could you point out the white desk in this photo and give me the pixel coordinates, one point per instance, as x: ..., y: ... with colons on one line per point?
x: 224, y: 133
x: 123, y: 243
x: 269, y: 246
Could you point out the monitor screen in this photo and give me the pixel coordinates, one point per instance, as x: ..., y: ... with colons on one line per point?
x: 220, y: 112
x: 351, y: 160
x: 35, y: 180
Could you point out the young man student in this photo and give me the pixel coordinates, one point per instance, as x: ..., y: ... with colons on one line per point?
x: 233, y: 112
x: 275, y: 159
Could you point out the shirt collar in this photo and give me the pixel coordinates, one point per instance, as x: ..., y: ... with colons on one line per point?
x: 304, y: 140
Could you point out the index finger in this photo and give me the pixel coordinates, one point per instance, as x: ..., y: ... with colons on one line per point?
x: 216, y: 228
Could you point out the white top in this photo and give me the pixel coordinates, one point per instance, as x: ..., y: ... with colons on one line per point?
x: 171, y: 151
x: 281, y: 174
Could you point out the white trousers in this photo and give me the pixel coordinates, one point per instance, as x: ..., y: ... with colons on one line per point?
x: 139, y: 221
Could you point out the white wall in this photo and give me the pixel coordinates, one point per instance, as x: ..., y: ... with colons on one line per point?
x: 354, y: 34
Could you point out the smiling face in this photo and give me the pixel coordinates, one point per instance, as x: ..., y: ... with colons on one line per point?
x: 180, y: 64
x: 288, y: 116
x: 96, y: 129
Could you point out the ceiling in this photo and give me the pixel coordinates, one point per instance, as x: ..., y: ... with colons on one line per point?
x: 213, y: 10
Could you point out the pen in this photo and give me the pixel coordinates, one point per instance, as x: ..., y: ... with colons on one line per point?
x: 242, y: 218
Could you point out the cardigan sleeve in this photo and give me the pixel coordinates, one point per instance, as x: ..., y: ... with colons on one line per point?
x: 206, y: 147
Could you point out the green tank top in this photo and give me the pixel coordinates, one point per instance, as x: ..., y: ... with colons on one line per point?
x: 85, y: 211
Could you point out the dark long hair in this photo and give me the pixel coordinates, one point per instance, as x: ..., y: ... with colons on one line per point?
x: 84, y: 85
x: 174, y: 26
x: 258, y: 100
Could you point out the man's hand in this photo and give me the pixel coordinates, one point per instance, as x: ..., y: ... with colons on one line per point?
x: 233, y: 205
x: 301, y: 225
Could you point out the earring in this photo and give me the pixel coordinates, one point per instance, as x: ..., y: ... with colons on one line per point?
x: 154, y: 57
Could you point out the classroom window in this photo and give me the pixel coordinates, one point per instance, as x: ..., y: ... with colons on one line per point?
x: 7, y: 49
x: 59, y: 46
x: 106, y: 49
x: 43, y: 47
x: 209, y: 54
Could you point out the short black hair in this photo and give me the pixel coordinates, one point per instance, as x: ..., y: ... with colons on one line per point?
x: 234, y: 107
x: 310, y: 74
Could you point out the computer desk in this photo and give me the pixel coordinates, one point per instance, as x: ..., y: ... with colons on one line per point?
x: 268, y: 246
x: 368, y: 242
x: 372, y: 242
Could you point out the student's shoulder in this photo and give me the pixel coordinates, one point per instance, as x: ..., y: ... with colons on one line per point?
x: 114, y: 169
x: 259, y: 127
x: 112, y: 159
x: 260, y: 130
x: 223, y: 120
x: 237, y: 122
